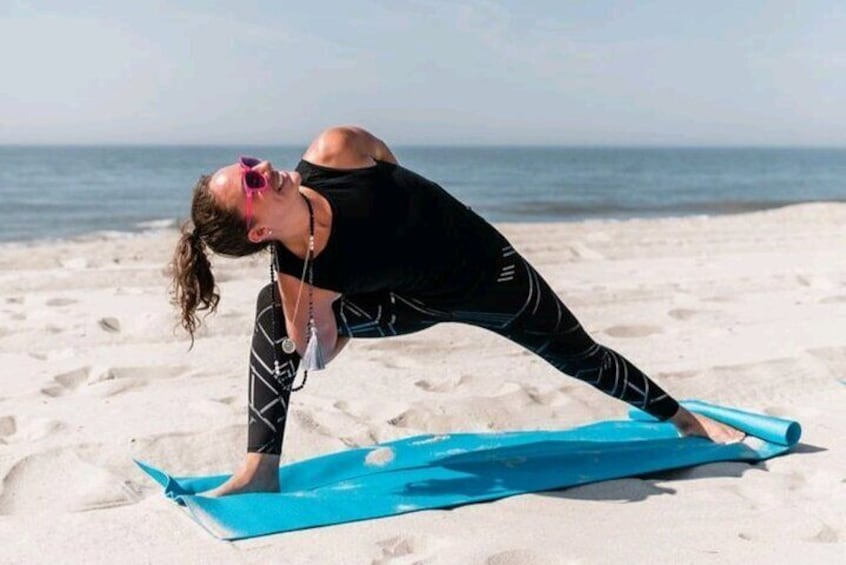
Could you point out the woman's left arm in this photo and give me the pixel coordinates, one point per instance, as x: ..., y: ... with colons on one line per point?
x: 295, y: 296
x: 327, y: 329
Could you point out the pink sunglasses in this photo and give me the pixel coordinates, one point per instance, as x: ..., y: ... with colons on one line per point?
x: 253, y: 182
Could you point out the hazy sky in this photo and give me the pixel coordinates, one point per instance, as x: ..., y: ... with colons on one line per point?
x: 424, y: 71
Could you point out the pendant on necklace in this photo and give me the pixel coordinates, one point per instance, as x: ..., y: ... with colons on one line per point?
x: 288, y: 345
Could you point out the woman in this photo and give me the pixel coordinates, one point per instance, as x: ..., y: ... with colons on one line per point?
x: 366, y: 248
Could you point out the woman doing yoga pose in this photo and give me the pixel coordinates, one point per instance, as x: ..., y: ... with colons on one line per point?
x: 362, y: 248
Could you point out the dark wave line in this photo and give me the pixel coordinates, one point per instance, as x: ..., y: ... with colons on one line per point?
x: 540, y: 210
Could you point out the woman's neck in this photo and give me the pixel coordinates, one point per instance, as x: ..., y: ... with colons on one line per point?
x: 295, y: 238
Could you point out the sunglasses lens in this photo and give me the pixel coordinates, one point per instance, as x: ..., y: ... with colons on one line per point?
x: 254, y: 180
x: 250, y: 161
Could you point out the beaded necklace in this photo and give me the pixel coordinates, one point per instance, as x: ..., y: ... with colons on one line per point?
x: 287, y: 344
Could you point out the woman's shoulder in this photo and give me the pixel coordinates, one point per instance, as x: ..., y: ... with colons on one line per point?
x: 348, y: 147
x: 342, y: 147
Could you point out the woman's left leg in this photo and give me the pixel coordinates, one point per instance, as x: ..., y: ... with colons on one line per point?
x: 521, y: 306
x: 384, y: 314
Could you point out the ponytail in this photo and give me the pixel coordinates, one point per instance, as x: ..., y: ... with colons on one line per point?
x: 193, y: 282
x: 223, y: 231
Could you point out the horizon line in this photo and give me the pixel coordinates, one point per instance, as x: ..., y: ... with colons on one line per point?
x: 448, y: 145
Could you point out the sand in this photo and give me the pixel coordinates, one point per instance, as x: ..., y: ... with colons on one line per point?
x: 747, y: 310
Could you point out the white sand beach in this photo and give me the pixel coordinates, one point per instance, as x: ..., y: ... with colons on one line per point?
x: 746, y: 310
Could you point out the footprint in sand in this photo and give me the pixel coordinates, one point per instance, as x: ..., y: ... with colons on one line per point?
x: 474, y: 412
x: 227, y: 400
x: 115, y: 380
x: 827, y: 534
x: 73, y: 263
x: 152, y: 371
x: 109, y: 381
x: 393, y: 363
x: 815, y: 282
x: 412, y: 418
x: 400, y: 549
x: 61, y: 301
x: 8, y: 427
x: 519, y: 395
x: 683, y: 314
x: 39, y: 428
x: 307, y: 420
x: 201, y: 448
x: 517, y: 557
x: 721, y: 298
x: 834, y: 358
x: 29, y: 487
x: 633, y: 331
x: 106, y: 389
x: 676, y: 375
x: 581, y: 251
x: 65, y: 383
x: 445, y: 385
x: 109, y: 324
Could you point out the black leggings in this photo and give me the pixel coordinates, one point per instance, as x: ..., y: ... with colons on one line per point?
x: 517, y: 304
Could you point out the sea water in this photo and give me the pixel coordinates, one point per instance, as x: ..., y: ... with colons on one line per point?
x: 55, y: 192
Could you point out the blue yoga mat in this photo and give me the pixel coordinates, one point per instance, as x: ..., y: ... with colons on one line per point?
x: 441, y: 471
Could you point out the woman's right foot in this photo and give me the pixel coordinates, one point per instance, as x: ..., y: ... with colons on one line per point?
x: 237, y: 484
x: 260, y: 473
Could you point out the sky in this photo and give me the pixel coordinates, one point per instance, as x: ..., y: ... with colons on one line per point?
x: 460, y: 72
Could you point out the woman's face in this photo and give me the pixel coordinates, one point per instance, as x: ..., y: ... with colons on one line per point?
x: 269, y: 205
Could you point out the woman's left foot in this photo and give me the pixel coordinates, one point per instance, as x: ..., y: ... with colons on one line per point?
x: 692, y: 424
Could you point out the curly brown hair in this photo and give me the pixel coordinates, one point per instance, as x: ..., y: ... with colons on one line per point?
x: 223, y: 231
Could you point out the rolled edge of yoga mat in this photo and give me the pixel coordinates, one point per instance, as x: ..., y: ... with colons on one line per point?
x: 769, y: 428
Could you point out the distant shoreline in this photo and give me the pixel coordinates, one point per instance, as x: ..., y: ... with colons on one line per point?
x: 159, y: 226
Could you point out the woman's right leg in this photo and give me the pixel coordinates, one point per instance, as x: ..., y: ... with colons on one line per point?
x: 377, y: 314
x: 269, y: 394
x: 267, y: 402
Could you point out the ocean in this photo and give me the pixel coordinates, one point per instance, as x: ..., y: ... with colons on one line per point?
x: 59, y: 192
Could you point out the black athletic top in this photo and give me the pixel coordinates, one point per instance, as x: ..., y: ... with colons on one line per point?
x: 394, y: 230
